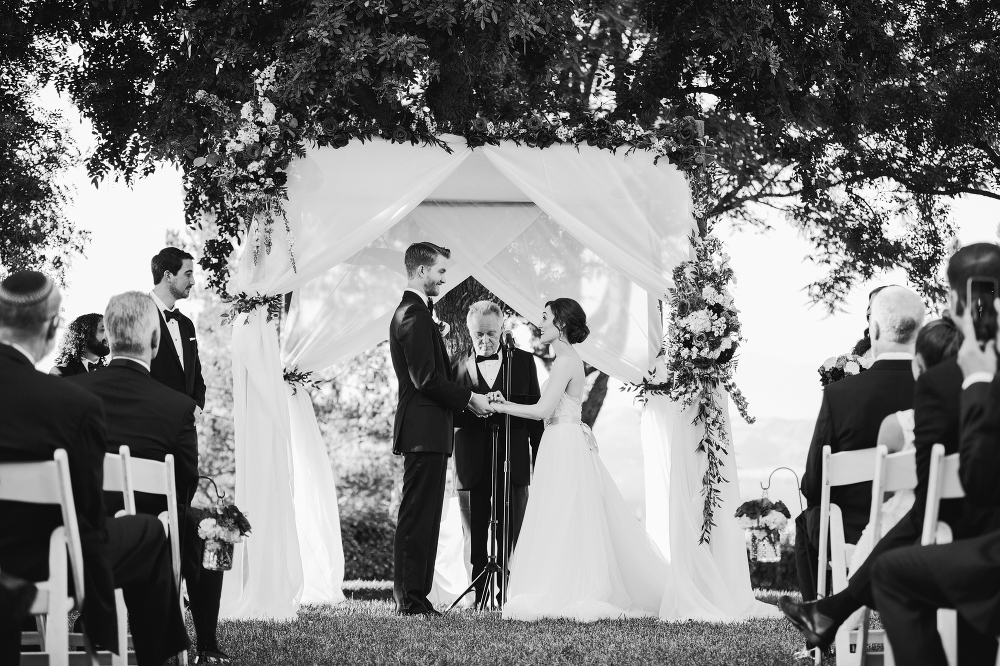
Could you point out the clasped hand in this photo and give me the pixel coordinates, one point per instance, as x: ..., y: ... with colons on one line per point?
x: 484, y: 405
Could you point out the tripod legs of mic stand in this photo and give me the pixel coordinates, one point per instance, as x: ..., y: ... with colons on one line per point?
x: 493, y: 574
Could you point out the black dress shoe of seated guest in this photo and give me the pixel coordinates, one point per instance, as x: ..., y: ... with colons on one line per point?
x: 429, y: 612
x: 818, y: 629
x: 16, y: 597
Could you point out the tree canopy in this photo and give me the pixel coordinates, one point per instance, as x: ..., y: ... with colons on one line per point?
x: 856, y: 119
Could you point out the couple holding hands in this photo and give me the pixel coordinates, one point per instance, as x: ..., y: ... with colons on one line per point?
x: 580, y: 552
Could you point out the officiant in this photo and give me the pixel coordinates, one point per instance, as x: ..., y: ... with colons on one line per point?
x: 482, y: 369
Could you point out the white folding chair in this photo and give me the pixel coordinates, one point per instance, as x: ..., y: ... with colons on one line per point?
x: 48, y: 482
x: 839, y: 469
x: 943, y: 482
x: 157, y: 478
x: 893, y: 473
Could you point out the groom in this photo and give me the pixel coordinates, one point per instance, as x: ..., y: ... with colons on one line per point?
x: 422, y: 431
x: 483, y: 370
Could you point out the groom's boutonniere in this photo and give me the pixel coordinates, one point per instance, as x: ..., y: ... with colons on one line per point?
x: 443, y: 326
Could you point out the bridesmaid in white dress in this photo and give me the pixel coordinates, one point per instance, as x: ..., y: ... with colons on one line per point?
x: 582, y: 554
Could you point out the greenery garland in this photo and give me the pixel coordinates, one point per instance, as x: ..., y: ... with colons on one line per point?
x: 241, y: 304
x: 300, y: 379
x: 700, y: 359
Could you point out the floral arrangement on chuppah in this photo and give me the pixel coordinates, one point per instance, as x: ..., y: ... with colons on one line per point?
x: 700, y: 352
x: 764, y: 522
x: 222, y: 527
x: 836, y: 368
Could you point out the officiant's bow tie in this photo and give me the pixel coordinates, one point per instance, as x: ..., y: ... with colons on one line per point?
x: 171, y: 314
x: 491, y: 357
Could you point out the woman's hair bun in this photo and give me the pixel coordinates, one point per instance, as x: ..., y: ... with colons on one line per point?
x: 569, y: 318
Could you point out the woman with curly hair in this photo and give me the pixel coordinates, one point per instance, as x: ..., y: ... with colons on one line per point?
x: 83, y: 347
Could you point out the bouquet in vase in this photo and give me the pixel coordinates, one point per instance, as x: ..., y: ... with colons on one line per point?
x: 222, y: 527
x: 764, y: 520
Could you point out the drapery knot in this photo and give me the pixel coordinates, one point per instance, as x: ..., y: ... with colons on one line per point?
x: 243, y: 303
x: 297, y: 378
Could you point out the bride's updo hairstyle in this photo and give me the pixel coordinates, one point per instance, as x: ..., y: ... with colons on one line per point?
x: 569, y: 318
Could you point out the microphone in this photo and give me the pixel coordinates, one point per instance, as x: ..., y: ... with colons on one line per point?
x: 507, y: 340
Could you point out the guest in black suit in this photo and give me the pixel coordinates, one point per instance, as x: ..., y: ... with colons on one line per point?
x: 44, y: 413
x: 154, y: 421
x: 422, y: 431
x: 849, y: 420
x: 483, y: 369
x: 83, y: 347
x: 177, y: 365
x: 910, y: 584
x: 936, y: 412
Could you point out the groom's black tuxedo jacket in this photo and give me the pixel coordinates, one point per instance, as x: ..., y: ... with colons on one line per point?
x: 849, y: 420
x: 428, y: 393
x: 166, y: 366
x: 473, y: 454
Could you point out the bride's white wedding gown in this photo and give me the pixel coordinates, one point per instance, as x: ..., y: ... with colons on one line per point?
x: 582, y: 553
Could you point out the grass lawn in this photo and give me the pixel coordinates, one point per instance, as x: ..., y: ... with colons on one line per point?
x: 366, y: 631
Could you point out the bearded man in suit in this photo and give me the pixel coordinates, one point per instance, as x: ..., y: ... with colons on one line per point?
x: 154, y: 421
x: 178, y: 365
x: 849, y: 419
x: 422, y: 431
x: 44, y: 413
x: 936, y: 413
x: 483, y: 369
x: 83, y: 347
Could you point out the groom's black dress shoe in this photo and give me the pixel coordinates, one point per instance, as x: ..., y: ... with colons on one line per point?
x: 818, y: 629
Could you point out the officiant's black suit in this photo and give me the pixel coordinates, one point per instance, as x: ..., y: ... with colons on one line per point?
x: 911, y: 583
x: 849, y: 420
x: 474, y: 455
x: 166, y: 366
x: 153, y: 421
x: 423, y: 434
x: 43, y: 413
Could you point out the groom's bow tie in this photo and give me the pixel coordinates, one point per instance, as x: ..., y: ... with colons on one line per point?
x: 171, y: 314
x: 491, y: 357
x: 430, y: 305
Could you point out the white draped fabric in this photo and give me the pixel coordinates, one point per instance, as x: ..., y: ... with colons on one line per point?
x: 704, y: 582
x: 529, y: 224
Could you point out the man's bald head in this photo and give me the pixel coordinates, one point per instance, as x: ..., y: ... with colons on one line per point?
x: 897, y: 315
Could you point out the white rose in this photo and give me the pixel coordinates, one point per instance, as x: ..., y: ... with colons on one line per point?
x: 851, y: 368
x: 774, y: 521
x: 207, y: 528
x: 829, y: 363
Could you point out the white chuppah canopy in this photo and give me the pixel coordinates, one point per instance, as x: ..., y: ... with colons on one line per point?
x: 530, y: 225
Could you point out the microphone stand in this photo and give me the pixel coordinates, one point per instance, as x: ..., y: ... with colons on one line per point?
x: 508, y: 528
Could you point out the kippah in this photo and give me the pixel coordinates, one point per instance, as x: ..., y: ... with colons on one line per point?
x: 25, y: 288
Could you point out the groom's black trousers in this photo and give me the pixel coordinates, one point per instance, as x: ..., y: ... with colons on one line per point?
x: 417, y: 529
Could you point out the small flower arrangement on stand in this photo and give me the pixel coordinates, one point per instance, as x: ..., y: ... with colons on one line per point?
x: 223, y: 526
x: 836, y: 368
x: 764, y: 520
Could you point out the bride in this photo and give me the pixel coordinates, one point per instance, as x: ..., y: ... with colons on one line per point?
x: 581, y: 553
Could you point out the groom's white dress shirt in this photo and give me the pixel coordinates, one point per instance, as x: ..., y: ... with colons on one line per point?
x: 172, y: 326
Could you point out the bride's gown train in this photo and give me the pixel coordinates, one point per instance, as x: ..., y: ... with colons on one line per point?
x: 582, y: 553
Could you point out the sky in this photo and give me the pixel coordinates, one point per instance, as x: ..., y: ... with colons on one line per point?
x: 787, y: 338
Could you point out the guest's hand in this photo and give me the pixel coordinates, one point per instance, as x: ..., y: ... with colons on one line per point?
x: 480, y: 405
x: 971, y: 357
x: 197, y: 413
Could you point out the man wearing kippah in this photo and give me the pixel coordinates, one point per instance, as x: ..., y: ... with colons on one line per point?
x: 43, y: 413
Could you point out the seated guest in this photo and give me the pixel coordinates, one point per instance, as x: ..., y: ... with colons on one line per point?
x: 849, y: 419
x: 83, y: 347
x: 910, y: 584
x: 41, y: 414
x: 936, y: 412
x: 938, y: 341
x: 154, y: 420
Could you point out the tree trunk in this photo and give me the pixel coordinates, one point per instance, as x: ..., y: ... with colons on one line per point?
x: 595, y: 399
